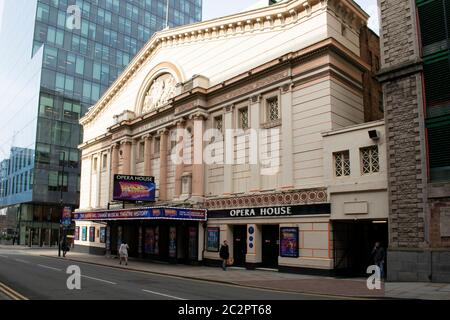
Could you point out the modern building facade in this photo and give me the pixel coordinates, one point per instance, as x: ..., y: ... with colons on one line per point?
x: 254, y: 129
x: 415, y: 75
x: 59, y: 62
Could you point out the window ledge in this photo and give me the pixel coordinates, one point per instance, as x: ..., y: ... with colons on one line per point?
x: 271, y: 124
x: 369, y: 174
x: 241, y: 132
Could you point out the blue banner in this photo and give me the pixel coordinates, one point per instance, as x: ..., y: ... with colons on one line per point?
x: 67, y: 216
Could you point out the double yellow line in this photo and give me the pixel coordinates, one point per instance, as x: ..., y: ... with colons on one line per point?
x: 14, y: 295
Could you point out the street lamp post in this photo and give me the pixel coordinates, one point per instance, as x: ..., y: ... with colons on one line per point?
x: 61, y: 204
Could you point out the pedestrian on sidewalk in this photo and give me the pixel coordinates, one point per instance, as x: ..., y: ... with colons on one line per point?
x: 65, y: 247
x: 123, y: 252
x: 224, y: 254
x: 379, y: 257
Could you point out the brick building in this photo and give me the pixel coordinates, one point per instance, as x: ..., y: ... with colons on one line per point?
x: 373, y: 97
x: 415, y: 75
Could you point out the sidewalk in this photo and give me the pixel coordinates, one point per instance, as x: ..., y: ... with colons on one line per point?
x: 344, y: 288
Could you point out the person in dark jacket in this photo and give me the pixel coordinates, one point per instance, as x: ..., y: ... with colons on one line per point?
x: 65, y: 246
x: 224, y: 254
x: 379, y: 256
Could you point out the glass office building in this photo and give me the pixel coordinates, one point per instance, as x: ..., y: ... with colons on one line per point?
x: 52, y: 70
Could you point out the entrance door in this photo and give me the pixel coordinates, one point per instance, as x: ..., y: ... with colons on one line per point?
x: 353, y: 242
x: 130, y: 233
x: 270, y: 246
x: 239, y: 244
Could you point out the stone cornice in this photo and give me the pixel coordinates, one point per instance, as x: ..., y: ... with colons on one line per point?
x: 291, y: 197
x: 267, y: 18
x: 99, y: 139
x: 399, y: 71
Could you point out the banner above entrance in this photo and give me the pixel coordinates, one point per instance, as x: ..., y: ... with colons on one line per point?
x: 277, y: 211
x: 144, y: 213
x: 134, y: 188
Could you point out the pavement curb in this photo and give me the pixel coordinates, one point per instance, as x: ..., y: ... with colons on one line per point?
x: 225, y: 282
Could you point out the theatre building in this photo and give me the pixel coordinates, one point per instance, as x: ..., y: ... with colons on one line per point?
x: 261, y: 128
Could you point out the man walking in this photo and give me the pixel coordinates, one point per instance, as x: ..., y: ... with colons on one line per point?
x: 379, y: 256
x: 123, y: 252
x: 224, y: 254
x: 65, y: 246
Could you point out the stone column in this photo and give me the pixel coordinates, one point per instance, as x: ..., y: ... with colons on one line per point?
x: 133, y: 157
x: 91, y: 181
x: 114, y: 167
x: 94, y: 179
x: 99, y: 179
x: 109, y: 176
x: 287, y: 162
x: 147, y: 155
x: 198, y: 167
x: 179, y: 167
x: 228, y: 151
x: 163, y: 165
x: 409, y: 257
x: 126, y: 157
x: 255, y: 120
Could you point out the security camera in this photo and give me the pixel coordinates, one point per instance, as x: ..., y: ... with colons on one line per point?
x: 374, y: 135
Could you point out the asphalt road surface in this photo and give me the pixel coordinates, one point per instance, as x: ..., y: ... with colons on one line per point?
x: 43, y: 278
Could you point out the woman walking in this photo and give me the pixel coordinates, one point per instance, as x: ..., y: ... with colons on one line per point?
x: 123, y: 252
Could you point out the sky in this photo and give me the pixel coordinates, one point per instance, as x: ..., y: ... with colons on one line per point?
x: 217, y: 8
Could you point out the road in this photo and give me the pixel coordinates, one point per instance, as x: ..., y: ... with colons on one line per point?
x: 44, y: 278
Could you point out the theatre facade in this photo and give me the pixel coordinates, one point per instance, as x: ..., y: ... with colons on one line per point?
x: 252, y: 128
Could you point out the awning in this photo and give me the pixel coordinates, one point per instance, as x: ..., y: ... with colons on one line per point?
x: 167, y: 213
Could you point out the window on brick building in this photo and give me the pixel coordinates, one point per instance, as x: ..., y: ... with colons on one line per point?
x: 104, y: 161
x: 370, y: 162
x: 157, y: 145
x: 173, y: 139
x: 341, y: 163
x: 141, y: 149
x: 434, y: 19
x: 218, y: 123
x: 439, y: 150
x: 243, y: 118
x: 273, y: 109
